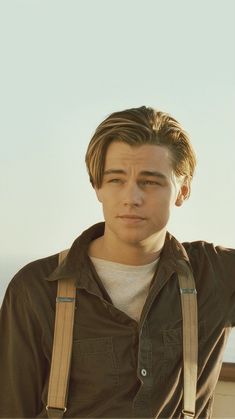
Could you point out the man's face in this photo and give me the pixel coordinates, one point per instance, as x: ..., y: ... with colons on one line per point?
x: 138, y: 191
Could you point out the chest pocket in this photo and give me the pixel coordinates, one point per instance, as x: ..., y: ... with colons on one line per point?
x: 173, y: 346
x: 94, y: 369
x: 173, y: 343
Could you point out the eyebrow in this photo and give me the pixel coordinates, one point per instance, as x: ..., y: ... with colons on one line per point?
x: 143, y: 173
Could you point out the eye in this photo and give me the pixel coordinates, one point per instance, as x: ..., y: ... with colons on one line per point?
x: 149, y: 182
x: 114, y: 180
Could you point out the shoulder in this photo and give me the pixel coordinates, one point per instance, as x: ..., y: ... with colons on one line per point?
x: 212, y: 263
x: 210, y: 251
x: 31, y: 279
x: 28, y: 308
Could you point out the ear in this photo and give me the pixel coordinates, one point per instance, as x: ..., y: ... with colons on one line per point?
x: 183, y: 193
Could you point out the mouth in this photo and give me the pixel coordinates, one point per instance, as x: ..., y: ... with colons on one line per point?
x: 131, y: 218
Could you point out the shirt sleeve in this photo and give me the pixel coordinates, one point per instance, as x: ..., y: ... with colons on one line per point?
x: 22, y: 362
x: 224, y: 263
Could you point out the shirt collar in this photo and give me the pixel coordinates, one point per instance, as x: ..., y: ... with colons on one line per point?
x: 78, y: 264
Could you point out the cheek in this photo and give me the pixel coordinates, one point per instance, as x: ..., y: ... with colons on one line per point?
x: 163, y: 199
x: 109, y: 205
x: 99, y: 195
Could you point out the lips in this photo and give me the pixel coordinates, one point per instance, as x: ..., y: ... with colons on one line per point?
x: 131, y: 217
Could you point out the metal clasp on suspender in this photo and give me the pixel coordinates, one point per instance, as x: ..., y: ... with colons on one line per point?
x: 65, y: 299
x: 63, y: 410
x: 188, y: 291
x: 187, y: 414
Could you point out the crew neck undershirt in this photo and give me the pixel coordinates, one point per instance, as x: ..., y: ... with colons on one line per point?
x: 127, y: 285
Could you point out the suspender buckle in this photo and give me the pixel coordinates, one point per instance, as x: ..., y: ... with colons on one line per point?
x: 55, y: 412
x: 65, y: 299
x: 187, y: 414
x: 57, y: 408
x: 188, y: 291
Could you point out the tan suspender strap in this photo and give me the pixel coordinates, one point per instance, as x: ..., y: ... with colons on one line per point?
x: 190, y: 338
x: 63, y: 335
x: 62, y: 255
x: 62, y: 346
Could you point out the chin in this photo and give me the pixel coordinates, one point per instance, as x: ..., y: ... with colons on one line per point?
x: 132, y: 237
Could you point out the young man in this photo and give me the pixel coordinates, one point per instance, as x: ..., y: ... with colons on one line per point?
x: 127, y: 356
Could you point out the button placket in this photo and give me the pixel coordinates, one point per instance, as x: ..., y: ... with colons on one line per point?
x: 145, y: 355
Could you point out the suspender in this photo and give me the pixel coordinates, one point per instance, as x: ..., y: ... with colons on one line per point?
x: 190, y: 338
x: 63, y: 337
x: 62, y: 346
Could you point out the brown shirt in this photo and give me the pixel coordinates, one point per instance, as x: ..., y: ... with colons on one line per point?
x: 120, y: 369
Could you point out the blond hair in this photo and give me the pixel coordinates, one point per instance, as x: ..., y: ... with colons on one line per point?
x: 138, y: 126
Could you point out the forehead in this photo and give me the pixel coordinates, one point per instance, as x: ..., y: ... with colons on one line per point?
x: 146, y: 156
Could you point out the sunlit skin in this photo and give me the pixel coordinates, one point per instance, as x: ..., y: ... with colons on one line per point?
x: 138, y: 192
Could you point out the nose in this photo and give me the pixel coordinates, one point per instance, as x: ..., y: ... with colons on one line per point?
x: 132, y: 195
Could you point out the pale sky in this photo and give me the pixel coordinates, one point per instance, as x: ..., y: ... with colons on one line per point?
x: 66, y: 65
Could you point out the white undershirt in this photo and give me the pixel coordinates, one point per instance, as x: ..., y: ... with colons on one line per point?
x: 127, y: 285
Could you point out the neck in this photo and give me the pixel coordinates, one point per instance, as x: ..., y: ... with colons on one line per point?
x: 128, y: 253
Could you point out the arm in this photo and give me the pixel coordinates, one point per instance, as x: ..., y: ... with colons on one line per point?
x: 226, y: 271
x: 22, y: 363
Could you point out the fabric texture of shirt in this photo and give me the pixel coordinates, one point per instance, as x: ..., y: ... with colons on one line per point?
x: 120, y: 368
x: 127, y: 285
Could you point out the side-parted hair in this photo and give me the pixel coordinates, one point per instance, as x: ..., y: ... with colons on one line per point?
x: 138, y: 126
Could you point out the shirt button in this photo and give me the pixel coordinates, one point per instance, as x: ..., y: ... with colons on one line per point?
x: 143, y: 372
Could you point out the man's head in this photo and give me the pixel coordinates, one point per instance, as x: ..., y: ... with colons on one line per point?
x: 136, y: 127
